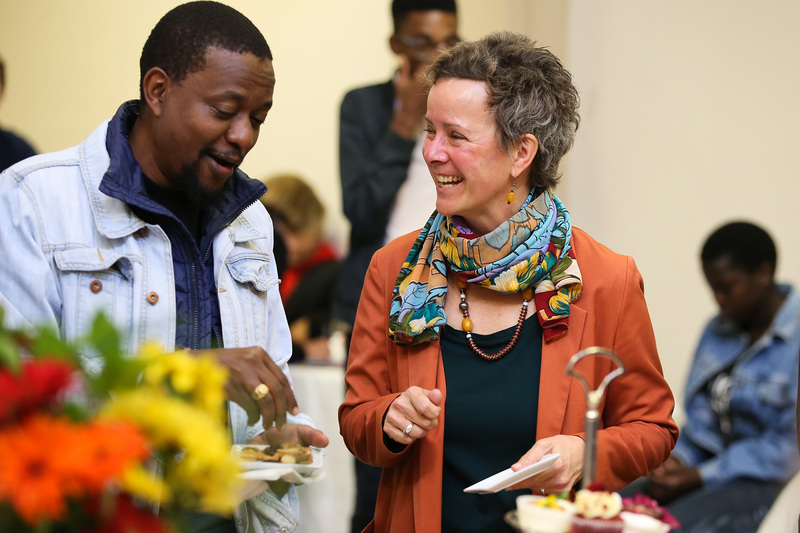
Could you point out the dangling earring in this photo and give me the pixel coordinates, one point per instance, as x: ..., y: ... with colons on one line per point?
x: 511, y: 194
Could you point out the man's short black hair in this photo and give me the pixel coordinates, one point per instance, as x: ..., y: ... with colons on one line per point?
x: 747, y: 246
x: 401, y: 8
x: 179, y: 41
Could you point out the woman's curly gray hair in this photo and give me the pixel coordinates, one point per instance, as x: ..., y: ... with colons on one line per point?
x: 529, y: 92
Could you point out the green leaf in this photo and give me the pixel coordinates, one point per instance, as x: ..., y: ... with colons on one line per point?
x: 119, y: 372
x: 9, y: 355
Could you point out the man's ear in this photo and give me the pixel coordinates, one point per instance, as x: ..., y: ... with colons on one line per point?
x: 523, y: 153
x: 154, y: 85
x: 395, y: 45
x: 765, y: 274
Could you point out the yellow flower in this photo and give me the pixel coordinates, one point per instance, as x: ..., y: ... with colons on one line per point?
x: 139, y: 482
x: 198, y: 467
x: 197, y: 377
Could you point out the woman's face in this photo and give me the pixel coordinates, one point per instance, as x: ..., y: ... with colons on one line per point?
x: 470, y: 170
x: 300, y: 245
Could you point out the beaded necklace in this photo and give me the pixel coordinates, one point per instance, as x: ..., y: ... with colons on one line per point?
x: 466, y: 323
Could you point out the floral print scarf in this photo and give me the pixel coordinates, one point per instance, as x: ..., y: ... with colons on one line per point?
x: 531, y: 249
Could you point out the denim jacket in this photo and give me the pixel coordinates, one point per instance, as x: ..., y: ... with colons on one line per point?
x: 762, y: 441
x: 70, y: 251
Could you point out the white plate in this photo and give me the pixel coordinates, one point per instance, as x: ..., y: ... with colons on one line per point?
x: 508, y: 477
x: 271, y: 471
x: 284, y: 474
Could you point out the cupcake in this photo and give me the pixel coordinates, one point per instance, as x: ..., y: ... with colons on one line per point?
x: 642, y: 514
x: 597, y: 511
x: 544, y: 514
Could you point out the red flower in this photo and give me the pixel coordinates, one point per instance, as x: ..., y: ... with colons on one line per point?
x: 124, y: 516
x: 39, y: 385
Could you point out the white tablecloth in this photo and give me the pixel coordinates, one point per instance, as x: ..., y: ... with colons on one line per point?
x: 325, y: 506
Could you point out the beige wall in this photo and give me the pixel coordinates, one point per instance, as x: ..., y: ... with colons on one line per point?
x: 690, y: 114
x: 689, y: 111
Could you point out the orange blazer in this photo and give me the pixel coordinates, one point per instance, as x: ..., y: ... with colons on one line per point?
x: 637, y: 432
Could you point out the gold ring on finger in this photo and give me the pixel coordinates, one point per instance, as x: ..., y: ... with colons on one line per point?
x: 260, y: 391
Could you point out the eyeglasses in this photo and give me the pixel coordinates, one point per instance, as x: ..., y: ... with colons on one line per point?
x: 423, y: 43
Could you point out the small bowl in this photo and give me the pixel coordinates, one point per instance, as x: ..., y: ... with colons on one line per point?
x: 535, y: 518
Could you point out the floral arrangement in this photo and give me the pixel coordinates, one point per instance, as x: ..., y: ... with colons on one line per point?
x: 79, y: 451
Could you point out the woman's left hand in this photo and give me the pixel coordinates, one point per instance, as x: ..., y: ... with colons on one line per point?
x: 564, y: 473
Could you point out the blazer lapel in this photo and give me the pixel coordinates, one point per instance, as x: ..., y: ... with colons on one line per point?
x: 554, y: 382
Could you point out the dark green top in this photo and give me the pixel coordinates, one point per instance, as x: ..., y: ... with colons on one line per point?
x: 490, y: 422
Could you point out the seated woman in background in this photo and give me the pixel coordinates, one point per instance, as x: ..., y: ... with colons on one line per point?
x: 447, y: 382
x: 738, y: 446
x: 312, y: 266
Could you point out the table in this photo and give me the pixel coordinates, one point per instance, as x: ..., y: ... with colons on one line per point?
x: 327, y: 505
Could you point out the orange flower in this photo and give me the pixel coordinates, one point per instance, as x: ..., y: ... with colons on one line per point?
x: 48, y: 460
x: 31, y: 477
x: 109, y: 449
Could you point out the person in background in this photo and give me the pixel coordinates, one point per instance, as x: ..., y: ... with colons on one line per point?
x: 151, y: 221
x: 385, y: 183
x: 312, y: 267
x: 738, y: 446
x: 13, y: 148
x: 464, y: 385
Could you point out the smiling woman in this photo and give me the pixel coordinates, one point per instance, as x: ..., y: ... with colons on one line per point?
x: 501, y: 113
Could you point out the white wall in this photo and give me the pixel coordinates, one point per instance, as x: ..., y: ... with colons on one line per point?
x: 689, y: 111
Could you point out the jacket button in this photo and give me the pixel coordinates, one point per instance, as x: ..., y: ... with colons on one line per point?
x: 284, y: 530
x: 239, y: 521
x: 143, y: 232
x: 152, y: 297
x: 96, y: 286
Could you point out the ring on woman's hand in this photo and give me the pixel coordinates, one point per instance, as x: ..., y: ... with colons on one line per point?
x: 408, y: 429
x: 542, y: 491
x: 260, y: 391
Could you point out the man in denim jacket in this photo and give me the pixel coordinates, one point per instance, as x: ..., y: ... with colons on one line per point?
x: 151, y: 221
x: 739, y: 444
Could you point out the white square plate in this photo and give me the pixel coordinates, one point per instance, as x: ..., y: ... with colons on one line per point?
x: 508, y: 477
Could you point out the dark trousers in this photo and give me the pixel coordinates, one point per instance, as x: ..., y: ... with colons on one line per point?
x: 368, y: 478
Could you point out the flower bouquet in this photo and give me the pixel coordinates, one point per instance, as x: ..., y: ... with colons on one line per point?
x: 127, y: 448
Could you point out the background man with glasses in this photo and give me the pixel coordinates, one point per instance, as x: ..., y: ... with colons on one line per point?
x: 386, y: 186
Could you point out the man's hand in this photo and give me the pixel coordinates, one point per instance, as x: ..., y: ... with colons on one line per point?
x: 247, y: 369
x: 412, y: 100
x: 305, y: 435
x: 673, y: 479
